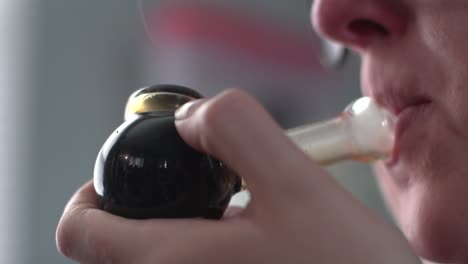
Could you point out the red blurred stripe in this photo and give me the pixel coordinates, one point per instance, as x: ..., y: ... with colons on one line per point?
x: 239, y: 33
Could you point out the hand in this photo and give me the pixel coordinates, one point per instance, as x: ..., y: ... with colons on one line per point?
x: 298, y: 213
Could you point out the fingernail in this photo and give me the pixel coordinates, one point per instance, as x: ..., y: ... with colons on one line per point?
x: 186, y: 110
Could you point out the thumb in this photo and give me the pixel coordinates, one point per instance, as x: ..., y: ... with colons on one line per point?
x: 234, y: 128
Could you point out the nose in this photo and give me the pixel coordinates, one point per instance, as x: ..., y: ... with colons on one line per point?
x: 359, y: 23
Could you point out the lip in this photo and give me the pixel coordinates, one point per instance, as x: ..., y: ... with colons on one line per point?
x: 406, y: 102
x: 407, y: 118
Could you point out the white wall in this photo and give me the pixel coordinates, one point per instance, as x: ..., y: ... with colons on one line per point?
x: 16, y: 79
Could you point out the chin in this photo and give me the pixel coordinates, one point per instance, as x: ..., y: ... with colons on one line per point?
x: 434, y: 235
x: 431, y: 214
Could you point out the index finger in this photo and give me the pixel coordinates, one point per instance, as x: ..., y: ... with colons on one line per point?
x: 238, y: 131
x: 89, y: 235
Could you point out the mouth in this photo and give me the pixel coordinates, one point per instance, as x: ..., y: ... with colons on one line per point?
x: 408, y: 116
x: 406, y: 96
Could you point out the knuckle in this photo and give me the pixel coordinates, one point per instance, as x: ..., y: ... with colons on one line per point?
x: 229, y: 103
x: 76, y: 242
x: 65, y: 237
x: 215, y: 115
x: 102, y: 250
x: 234, y: 97
x: 231, y: 100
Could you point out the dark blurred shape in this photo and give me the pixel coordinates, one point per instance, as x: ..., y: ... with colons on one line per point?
x: 236, y: 31
x: 145, y: 170
x: 241, y: 30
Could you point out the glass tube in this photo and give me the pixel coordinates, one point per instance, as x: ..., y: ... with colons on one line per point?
x: 363, y: 132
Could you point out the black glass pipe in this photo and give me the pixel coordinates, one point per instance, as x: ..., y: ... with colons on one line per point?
x: 145, y: 169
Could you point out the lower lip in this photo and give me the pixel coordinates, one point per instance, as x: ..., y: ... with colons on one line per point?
x: 407, y: 120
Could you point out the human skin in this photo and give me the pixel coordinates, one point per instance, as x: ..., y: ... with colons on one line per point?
x: 298, y: 213
x: 414, y: 63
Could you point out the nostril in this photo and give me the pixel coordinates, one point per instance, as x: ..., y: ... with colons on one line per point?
x: 366, y: 28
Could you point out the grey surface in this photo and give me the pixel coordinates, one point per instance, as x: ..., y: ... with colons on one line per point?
x: 16, y: 78
x: 86, y: 68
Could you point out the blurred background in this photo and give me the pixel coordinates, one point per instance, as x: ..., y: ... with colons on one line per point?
x: 67, y: 68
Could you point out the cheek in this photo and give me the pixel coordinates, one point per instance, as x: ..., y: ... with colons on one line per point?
x: 446, y: 42
x: 432, y: 207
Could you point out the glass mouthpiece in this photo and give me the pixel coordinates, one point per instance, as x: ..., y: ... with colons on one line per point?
x: 363, y: 132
